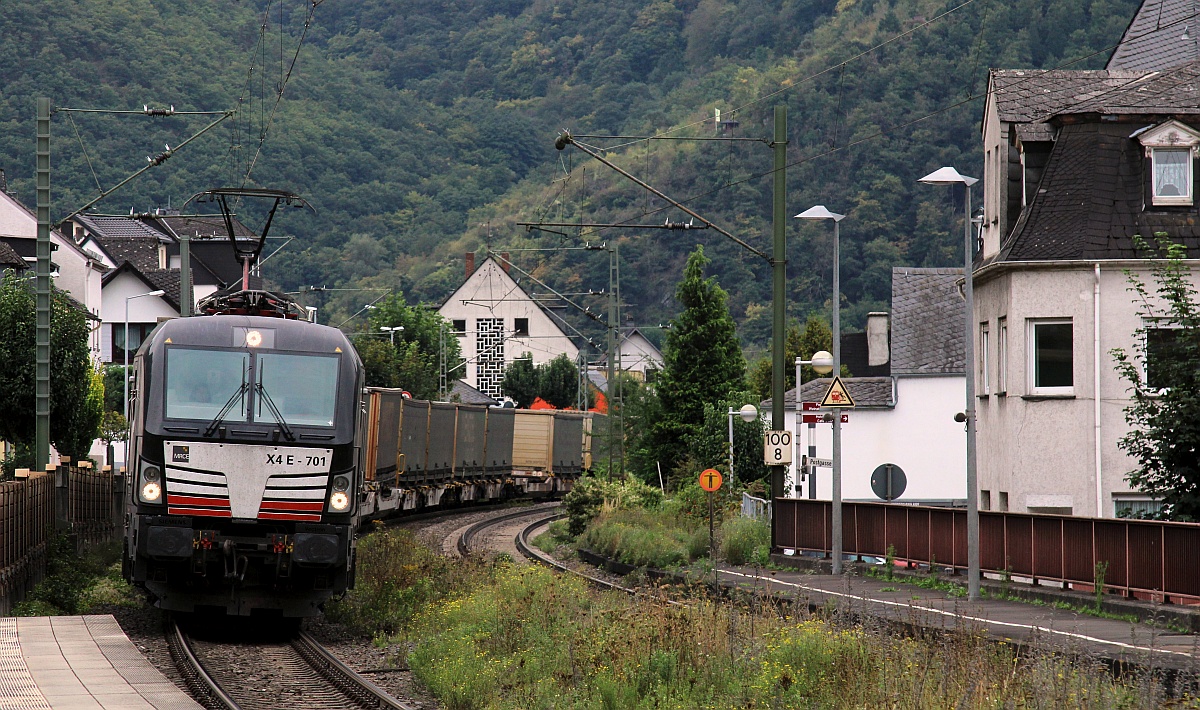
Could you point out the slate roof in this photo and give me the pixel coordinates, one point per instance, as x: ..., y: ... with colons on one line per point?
x: 927, y: 322
x: 1089, y: 204
x: 1173, y: 91
x: 199, y: 226
x: 1155, y: 39
x: 469, y: 395
x: 119, y: 226
x: 1027, y: 95
x: 140, y: 251
x: 10, y: 259
x: 867, y: 392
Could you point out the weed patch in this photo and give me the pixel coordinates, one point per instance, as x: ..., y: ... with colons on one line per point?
x: 77, y: 583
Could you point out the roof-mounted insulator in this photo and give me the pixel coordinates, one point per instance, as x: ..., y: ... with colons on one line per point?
x: 158, y: 111
x: 252, y: 303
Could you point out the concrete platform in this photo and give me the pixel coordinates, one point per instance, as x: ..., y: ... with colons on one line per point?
x: 79, y: 663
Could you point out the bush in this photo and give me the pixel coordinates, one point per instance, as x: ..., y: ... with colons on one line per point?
x: 640, y: 538
x: 745, y: 541
x: 590, y: 494
x: 397, y: 577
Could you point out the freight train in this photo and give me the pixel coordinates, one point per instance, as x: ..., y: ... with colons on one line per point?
x: 257, y: 453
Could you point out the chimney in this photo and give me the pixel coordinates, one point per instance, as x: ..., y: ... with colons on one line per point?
x: 504, y: 261
x: 3, y: 181
x: 470, y: 262
x: 877, y: 339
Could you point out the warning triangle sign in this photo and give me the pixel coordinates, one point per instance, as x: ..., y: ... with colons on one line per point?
x: 837, y: 395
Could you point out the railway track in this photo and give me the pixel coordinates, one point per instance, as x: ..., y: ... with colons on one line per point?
x: 291, y: 671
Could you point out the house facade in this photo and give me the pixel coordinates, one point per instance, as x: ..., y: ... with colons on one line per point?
x: 904, y: 417
x: 496, y: 321
x: 140, y: 253
x: 1077, y: 165
x: 72, y: 269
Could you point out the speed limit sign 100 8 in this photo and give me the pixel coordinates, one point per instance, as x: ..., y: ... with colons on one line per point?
x: 777, y: 448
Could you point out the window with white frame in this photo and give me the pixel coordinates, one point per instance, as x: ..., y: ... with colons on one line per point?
x: 1172, y: 179
x: 1163, y: 344
x: 1002, y: 357
x: 984, y: 355
x: 1171, y: 147
x: 1051, y: 357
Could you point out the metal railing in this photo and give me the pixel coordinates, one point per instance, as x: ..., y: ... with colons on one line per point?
x: 756, y: 508
x: 1143, y: 558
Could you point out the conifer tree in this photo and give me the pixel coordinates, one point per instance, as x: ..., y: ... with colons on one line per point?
x: 702, y: 361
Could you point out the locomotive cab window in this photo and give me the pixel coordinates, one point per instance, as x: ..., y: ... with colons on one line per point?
x: 303, y: 388
x: 200, y: 383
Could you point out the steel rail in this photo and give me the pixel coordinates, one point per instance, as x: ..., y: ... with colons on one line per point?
x: 346, y: 679
x: 468, y: 535
x: 209, y: 692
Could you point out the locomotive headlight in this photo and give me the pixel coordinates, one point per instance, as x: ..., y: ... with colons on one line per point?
x: 151, y: 485
x: 340, y: 483
x: 151, y: 492
x: 339, y: 501
x: 253, y: 338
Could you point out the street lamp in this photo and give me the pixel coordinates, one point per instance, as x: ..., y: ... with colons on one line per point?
x: 125, y: 361
x: 950, y: 176
x: 748, y: 413
x: 391, y: 331
x: 819, y: 213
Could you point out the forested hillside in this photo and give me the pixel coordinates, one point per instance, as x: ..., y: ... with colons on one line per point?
x: 422, y: 129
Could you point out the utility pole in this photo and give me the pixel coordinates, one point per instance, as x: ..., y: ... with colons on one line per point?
x: 779, y: 305
x: 612, y: 356
x: 41, y: 450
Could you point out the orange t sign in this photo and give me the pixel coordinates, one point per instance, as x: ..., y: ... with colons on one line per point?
x: 710, y: 479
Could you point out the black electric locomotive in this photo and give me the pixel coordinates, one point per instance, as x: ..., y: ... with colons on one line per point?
x: 243, y: 465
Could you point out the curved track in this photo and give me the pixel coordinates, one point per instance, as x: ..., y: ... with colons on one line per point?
x: 293, y: 672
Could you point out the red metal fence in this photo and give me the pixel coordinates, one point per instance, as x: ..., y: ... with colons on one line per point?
x: 1140, y: 557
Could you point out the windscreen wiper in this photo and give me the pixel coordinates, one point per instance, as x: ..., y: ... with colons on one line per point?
x: 220, y: 418
x: 287, y: 431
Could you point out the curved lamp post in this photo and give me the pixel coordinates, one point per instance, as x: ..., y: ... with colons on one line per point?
x: 950, y: 176
x: 820, y: 213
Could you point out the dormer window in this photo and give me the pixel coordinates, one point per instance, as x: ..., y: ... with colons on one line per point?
x: 1171, y: 148
x: 1172, y: 176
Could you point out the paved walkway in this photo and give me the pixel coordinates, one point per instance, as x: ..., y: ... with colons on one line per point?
x: 79, y: 663
x: 1037, y: 626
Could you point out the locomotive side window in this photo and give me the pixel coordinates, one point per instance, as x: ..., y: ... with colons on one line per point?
x: 201, y: 382
x: 302, y: 387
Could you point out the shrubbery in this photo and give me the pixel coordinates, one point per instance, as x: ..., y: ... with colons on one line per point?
x: 591, y: 494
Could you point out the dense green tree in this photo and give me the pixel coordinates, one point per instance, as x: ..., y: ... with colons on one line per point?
x: 815, y: 337
x: 708, y: 447
x: 76, y: 390
x: 410, y: 359
x: 702, y: 361
x: 521, y: 381
x: 556, y: 382
x: 1163, y: 374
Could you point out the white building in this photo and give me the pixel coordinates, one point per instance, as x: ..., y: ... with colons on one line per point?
x: 907, y: 417
x: 496, y: 321
x: 635, y: 355
x: 1076, y: 164
x: 73, y: 270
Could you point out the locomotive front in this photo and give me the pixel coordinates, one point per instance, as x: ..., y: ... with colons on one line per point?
x: 244, y: 466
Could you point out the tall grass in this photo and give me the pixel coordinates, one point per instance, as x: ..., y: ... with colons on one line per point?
x: 527, y: 638
x: 397, y: 577
x: 646, y: 539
